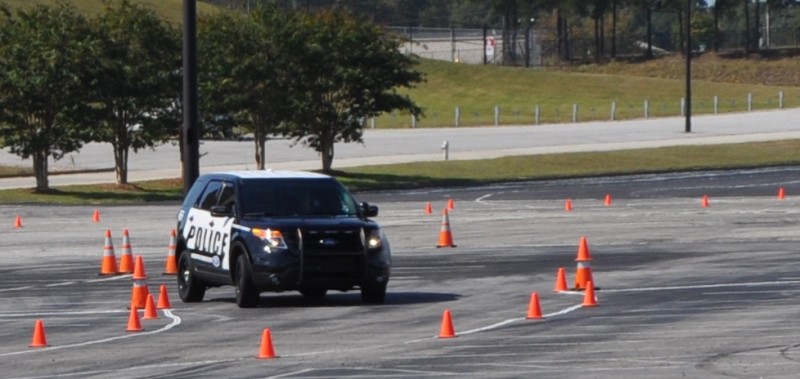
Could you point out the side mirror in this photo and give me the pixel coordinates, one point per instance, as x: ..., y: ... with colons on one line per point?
x: 369, y: 210
x: 221, y: 211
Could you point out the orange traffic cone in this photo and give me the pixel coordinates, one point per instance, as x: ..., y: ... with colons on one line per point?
x: 568, y: 205
x: 138, y: 270
x: 561, y: 281
x: 171, y: 265
x: 266, y: 351
x: 450, y: 204
x: 109, y: 264
x: 534, y: 310
x: 588, y: 298
x: 17, y: 222
x: 134, y: 324
x: 96, y: 216
x: 445, y: 235
x: 447, y: 330
x: 583, y: 273
x: 781, y: 193
x: 163, y: 298
x: 607, y: 202
x: 704, y: 201
x: 140, y: 291
x: 428, y: 208
x: 39, y: 339
x: 126, y: 257
x: 150, y: 308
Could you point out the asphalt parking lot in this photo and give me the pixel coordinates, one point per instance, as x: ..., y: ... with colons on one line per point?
x: 682, y: 291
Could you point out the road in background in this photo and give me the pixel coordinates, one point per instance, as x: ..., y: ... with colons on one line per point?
x: 414, y: 145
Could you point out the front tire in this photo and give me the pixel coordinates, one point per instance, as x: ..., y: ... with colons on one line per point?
x: 374, y: 294
x: 190, y: 289
x: 246, y: 294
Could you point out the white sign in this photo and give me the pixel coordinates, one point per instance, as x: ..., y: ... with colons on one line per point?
x: 490, y: 47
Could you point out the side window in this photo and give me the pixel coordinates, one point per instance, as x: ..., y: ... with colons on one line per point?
x: 211, y: 195
x: 227, y: 196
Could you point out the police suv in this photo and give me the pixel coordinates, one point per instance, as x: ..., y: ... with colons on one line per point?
x: 278, y: 231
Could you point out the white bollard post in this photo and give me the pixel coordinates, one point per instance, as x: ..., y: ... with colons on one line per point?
x: 536, y: 116
x: 749, y: 101
x: 446, y: 150
x: 646, y: 109
x: 458, y: 115
x: 372, y: 122
x: 413, y: 121
x: 780, y: 99
x: 496, y: 115
x: 716, y: 104
x: 683, y: 106
x: 613, y: 110
x: 575, y: 112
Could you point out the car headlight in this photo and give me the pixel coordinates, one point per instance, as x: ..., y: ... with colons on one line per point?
x: 273, y: 238
x: 374, y: 239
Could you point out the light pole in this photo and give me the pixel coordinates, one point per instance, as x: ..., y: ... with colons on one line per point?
x: 688, y: 103
x: 190, y: 134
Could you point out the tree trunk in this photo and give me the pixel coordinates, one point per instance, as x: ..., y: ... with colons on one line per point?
x: 120, y: 163
x: 747, y: 43
x: 40, y: 170
x: 613, y: 29
x: 757, y: 27
x: 326, y: 151
x: 649, y: 53
x: 261, y: 149
x: 715, y: 47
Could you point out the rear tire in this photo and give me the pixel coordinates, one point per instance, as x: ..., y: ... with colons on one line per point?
x: 190, y: 289
x: 246, y: 294
x: 375, y: 294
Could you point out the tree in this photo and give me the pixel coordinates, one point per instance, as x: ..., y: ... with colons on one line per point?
x: 137, y: 72
x: 347, y: 71
x: 45, y: 55
x: 243, y: 77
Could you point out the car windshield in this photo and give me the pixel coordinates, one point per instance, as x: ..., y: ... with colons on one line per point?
x: 286, y: 197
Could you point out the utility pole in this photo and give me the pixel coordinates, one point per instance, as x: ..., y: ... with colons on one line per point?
x: 688, y: 103
x: 190, y: 134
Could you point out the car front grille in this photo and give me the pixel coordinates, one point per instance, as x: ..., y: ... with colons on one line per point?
x: 329, y: 254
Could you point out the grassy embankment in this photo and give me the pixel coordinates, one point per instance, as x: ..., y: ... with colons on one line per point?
x: 171, y: 10
x: 477, y: 89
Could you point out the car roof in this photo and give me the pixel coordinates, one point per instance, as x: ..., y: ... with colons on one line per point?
x: 266, y: 174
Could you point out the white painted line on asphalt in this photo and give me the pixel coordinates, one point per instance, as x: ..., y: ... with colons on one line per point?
x: 109, y: 278
x: 290, y: 374
x: 39, y: 314
x: 509, y: 321
x: 175, y: 322
x: 15, y: 289
x: 60, y: 284
x: 702, y: 286
x: 83, y: 374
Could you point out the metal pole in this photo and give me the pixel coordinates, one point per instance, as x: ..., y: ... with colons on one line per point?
x: 688, y: 66
x: 190, y: 131
x: 452, y: 44
x: 484, y: 45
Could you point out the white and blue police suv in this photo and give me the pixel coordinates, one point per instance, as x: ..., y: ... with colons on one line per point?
x: 278, y: 231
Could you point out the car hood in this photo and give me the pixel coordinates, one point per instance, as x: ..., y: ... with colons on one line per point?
x: 308, y: 222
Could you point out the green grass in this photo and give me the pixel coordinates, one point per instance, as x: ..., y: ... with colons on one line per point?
x: 517, y: 91
x: 467, y: 172
x: 171, y: 10
x: 137, y: 193
x: 570, y: 165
